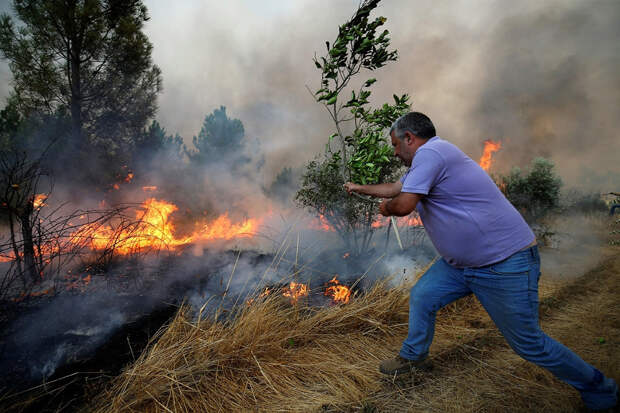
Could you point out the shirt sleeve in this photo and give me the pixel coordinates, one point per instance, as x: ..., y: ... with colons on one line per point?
x: 424, y: 173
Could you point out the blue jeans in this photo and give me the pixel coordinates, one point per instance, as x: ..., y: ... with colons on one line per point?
x: 508, y: 290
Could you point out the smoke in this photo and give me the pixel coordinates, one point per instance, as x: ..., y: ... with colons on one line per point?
x: 541, y: 76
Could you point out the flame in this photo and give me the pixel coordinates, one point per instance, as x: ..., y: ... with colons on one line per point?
x: 490, y: 147
x: 346, y: 255
x: 153, y: 230
x: 264, y: 294
x: 223, y: 228
x: 39, y: 201
x: 412, y: 220
x: 129, y: 177
x: 379, y: 222
x: 295, y: 291
x: 77, y: 282
x: 322, y: 224
x: 149, y: 188
x: 116, y: 187
x: 340, y: 293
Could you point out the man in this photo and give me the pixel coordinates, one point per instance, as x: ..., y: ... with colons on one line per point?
x: 487, y: 249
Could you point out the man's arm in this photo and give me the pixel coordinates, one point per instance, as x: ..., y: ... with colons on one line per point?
x: 401, y: 205
x: 388, y: 190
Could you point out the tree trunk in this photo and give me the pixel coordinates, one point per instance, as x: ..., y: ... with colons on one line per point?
x: 18, y: 260
x: 73, y: 54
x: 30, y: 267
x: 76, y: 99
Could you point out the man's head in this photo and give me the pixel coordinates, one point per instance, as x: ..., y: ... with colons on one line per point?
x: 408, y: 133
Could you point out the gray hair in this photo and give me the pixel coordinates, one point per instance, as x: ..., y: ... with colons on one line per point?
x: 415, y: 123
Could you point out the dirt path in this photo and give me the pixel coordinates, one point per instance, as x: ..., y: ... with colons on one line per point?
x: 476, y: 371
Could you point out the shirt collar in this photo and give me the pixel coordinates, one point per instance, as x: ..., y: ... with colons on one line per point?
x: 434, y: 138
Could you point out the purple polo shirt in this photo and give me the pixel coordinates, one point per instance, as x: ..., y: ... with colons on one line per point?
x: 468, y: 219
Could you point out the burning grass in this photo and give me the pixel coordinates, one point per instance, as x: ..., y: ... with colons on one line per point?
x: 274, y: 356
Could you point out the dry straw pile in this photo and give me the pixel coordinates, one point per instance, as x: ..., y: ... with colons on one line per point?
x: 273, y: 356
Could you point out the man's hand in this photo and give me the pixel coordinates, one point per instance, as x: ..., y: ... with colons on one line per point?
x: 383, y: 208
x: 351, y: 187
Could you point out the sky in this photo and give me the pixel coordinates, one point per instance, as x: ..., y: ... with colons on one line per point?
x: 539, y: 76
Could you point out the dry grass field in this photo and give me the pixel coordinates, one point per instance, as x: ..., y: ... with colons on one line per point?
x: 274, y: 357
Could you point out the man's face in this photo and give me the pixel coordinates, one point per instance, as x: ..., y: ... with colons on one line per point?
x: 405, y: 149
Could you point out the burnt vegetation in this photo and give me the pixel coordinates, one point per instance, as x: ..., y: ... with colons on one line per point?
x: 105, y: 297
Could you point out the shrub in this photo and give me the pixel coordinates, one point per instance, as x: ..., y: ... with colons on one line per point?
x: 535, y: 192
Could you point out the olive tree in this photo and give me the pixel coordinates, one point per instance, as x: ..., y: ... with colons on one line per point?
x: 357, y: 150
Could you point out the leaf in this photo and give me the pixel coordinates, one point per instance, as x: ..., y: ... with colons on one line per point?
x: 370, y: 82
x: 332, y: 100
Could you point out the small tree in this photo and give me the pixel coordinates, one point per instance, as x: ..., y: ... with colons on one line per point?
x: 362, y: 156
x: 220, y: 139
x: 19, y: 186
x: 88, y: 60
x: 534, y: 193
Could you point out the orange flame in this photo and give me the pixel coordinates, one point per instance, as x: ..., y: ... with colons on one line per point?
x: 129, y: 177
x: 149, y: 188
x: 223, y: 228
x: 154, y: 231
x: 39, y: 201
x: 295, y: 291
x: 490, y: 147
x: 322, y: 224
x: 340, y: 293
x: 264, y: 294
x: 412, y: 220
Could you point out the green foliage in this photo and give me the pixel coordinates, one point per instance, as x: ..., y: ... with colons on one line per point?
x: 221, y: 139
x: 363, y: 156
x: 154, y: 142
x: 88, y: 59
x: 534, y: 193
x: 321, y: 191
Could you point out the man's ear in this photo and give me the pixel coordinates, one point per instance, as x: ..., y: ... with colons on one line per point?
x: 408, y: 137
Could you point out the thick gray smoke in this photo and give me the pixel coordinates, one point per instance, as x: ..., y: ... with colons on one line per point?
x: 540, y: 76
